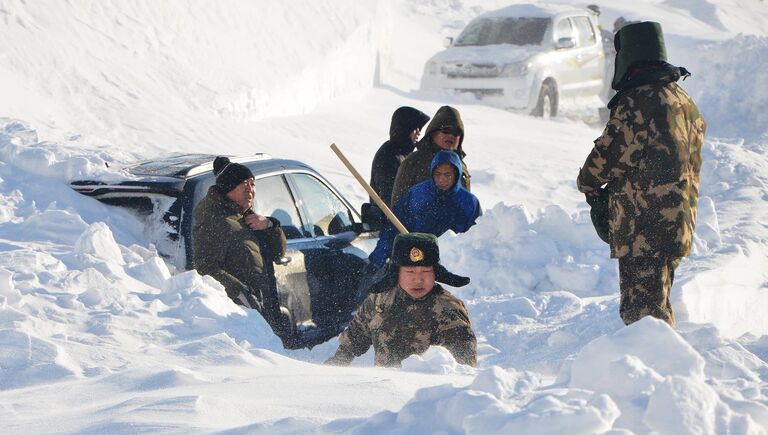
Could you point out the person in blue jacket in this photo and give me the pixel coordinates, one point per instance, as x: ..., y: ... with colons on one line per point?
x: 433, y: 206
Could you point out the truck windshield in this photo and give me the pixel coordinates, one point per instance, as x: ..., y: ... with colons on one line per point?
x: 492, y: 31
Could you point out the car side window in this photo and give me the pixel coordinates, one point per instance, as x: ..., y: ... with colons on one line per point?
x: 274, y: 199
x: 326, y: 213
x: 586, y: 33
x: 563, y: 29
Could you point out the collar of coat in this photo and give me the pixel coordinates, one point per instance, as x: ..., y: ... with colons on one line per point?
x: 662, y: 74
x: 386, y: 300
x: 426, y: 145
x: 226, y: 204
x: 403, y: 146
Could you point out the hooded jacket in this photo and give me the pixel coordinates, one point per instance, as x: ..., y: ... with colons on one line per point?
x: 427, y: 209
x: 415, y: 167
x: 392, y: 153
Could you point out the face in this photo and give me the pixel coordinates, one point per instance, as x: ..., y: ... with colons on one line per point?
x: 446, y: 138
x: 415, y: 135
x: 444, y: 176
x: 417, y: 281
x: 243, y: 194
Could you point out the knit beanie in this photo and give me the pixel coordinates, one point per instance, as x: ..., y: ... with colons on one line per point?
x: 228, y: 174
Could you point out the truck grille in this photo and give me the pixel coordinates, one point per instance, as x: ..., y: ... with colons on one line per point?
x: 483, y: 92
x: 459, y: 70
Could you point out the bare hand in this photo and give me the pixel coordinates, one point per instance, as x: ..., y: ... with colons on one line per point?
x: 257, y: 222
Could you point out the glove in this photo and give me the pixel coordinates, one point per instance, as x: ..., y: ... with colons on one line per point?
x: 599, y: 213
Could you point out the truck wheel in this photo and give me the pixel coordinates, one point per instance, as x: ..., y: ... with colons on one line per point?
x: 546, y: 107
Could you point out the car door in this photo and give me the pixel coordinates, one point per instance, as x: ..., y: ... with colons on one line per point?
x: 589, y: 58
x: 335, y: 265
x: 274, y: 198
x: 563, y: 64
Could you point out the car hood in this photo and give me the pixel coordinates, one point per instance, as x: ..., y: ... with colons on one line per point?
x: 499, y: 55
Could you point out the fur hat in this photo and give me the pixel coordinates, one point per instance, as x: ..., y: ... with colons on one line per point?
x: 637, y: 42
x: 415, y: 249
x: 228, y: 174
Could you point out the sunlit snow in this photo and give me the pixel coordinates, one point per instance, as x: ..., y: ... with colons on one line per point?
x: 98, y: 334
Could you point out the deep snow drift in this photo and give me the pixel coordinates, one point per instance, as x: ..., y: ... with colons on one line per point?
x: 99, y: 334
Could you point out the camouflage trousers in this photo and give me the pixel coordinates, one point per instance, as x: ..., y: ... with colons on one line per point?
x: 646, y: 283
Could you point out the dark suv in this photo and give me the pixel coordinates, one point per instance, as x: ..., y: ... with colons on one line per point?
x: 328, y: 244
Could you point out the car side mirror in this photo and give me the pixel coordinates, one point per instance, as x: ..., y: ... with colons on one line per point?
x: 447, y: 42
x: 567, y: 42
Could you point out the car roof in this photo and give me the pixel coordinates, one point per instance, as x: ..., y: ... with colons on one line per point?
x: 184, y: 166
x: 534, y: 11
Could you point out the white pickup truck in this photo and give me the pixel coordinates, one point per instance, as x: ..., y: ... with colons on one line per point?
x: 523, y: 57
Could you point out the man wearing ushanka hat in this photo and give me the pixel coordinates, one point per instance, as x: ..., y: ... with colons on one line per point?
x: 407, y: 311
x: 642, y: 176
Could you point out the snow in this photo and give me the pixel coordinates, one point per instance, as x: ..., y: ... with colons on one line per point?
x: 99, y: 334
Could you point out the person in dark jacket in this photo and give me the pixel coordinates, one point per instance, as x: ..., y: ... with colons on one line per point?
x: 404, y: 131
x: 444, y: 132
x: 236, y: 246
x: 433, y: 206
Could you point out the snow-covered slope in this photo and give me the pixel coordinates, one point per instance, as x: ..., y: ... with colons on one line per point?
x: 98, y: 334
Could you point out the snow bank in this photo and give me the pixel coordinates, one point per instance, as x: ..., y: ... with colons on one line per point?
x: 436, y: 359
x: 660, y: 380
x: 728, y: 85
x: 511, y: 252
x: 27, y: 360
x: 738, y: 285
x: 117, y: 62
x: 643, y: 378
x: 90, y: 314
x: 61, y: 261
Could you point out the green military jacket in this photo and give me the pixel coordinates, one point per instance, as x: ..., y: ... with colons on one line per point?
x: 416, y: 166
x: 225, y: 248
x: 650, y: 156
x: 399, y: 326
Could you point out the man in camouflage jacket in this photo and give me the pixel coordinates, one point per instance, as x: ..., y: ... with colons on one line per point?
x: 444, y: 132
x: 407, y: 311
x: 649, y: 158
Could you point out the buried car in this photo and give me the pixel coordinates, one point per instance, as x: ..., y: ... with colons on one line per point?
x: 327, y: 243
x: 522, y: 57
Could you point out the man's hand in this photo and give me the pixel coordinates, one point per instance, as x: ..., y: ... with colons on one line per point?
x: 257, y: 222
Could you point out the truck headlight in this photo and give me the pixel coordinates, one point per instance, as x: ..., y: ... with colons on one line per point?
x: 515, y: 69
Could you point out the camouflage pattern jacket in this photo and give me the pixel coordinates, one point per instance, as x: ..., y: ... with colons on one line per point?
x: 236, y: 256
x: 650, y: 156
x: 399, y: 326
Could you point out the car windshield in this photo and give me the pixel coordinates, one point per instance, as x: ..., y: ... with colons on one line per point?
x: 492, y: 31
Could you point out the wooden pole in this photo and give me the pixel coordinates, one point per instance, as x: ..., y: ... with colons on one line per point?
x: 391, y: 216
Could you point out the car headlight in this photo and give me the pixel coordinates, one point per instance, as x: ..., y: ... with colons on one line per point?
x: 431, y: 68
x: 515, y: 69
